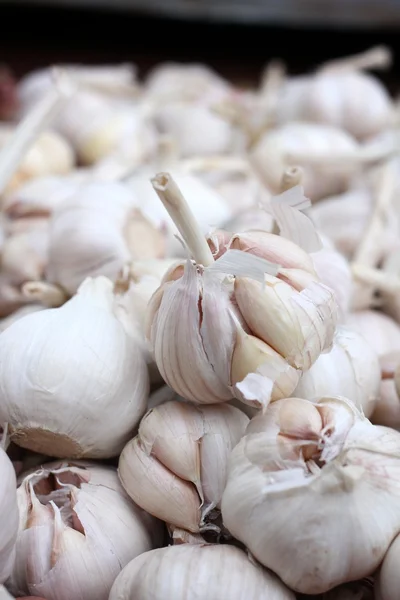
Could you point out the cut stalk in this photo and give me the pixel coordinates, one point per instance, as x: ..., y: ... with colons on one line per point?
x: 379, y: 280
x: 48, y: 294
x: 31, y: 126
x: 379, y: 57
x: 291, y: 177
x: 179, y: 211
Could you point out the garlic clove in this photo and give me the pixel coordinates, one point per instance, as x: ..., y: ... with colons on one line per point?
x: 171, y: 434
x: 153, y: 486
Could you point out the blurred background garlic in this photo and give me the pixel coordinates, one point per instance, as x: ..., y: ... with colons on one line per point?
x: 380, y: 331
x: 319, y: 461
x: 8, y: 516
x: 176, y: 467
x: 79, y: 365
x: 350, y: 369
x: 215, y: 571
x: 387, y: 409
x: 75, y: 520
x: 96, y: 232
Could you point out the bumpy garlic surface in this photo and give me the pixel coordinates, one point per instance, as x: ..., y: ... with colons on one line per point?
x: 77, y: 530
x: 197, y: 572
x: 8, y: 516
x: 73, y: 383
x: 302, y: 491
x: 176, y: 467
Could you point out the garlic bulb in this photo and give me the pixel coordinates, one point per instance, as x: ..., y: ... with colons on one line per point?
x: 334, y: 271
x: 197, y: 572
x: 354, y: 101
x: 96, y: 232
x: 298, y: 143
x: 8, y: 516
x: 380, y: 331
x: 175, y: 468
x: 24, y: 255
x: 358, y: 590
x: 387, y: 581
x: 387, y: 409
x: 351, y: 369
x: 320, y: 462
x: 76, y: 519
x: 82, y: 382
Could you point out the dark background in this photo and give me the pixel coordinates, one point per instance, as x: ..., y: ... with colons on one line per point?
x: 36, y: 36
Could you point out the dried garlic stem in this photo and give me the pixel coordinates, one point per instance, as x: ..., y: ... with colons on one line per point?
x: 272, y: 79
x: 48, y: 294
x: 366, y: 253
x: 35, y: 122
x: 379, y: 57
x: 380, y: 280
x: 179, y: 211
x: 291, y: 177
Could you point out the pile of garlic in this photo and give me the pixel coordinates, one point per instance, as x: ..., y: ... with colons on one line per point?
x: 200, y: 335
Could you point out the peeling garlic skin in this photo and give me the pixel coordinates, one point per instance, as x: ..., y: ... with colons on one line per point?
x: 67, y: 530
x: 197, y: 572
x: 324, y: 479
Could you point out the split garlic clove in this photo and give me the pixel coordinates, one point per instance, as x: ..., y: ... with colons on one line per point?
x: 297, y: 325
x: 201, y: 572
x: 387, y: 580
x: 175, y: 468
x: 67, y: 530
x: 82, y: 384
x: 266, y: 487
x: 350, y: 369
x: 8, y: 516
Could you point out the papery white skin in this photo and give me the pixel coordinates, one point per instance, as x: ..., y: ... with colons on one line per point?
x: 67, y: 530
x: 379, y: 330
x: 89, y: 236
x: 8, y: 516
x: 334, y: 503
x: 334, y: 271
x: 72, y: 381
x: 351, y: 369
x: 387, y: 581
x: 197, y: 572
x: 176, y: 467
x: 354, y: 101
x: 269, y: 157
x: 18, y: 314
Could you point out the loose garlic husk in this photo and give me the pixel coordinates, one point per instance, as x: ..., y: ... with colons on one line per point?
x: 301, y: 144
x: 351, y: 369
x: 76, y: 519
x: 96, y: 232
x: 387, y: 586
x: 175, y: 468
x: 85, y: 382
x: 320, y: 461
x: 8, y: 516
x: 197, y: 572
x: 379, y: 330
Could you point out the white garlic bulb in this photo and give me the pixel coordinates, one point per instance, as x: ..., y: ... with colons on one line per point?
x: 380, y: 331
x: 295, y: 144
x: 175, y: 468
x: 24, y: 256
x: 72, y: 382
x: 8, y: 516
x: 354, y: 101
x: 387, y: 409
x: 296, y: 482
x: 76, y: 520
x: 351, y: 369
x: 96, y: 232
x: 334, y: 271
x: 388, y: 581
x: 197, y: 572
x: 18, y: 314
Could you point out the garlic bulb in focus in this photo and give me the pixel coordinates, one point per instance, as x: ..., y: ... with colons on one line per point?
x: 8, y: 516
x: 293, y: 144
x: 175, y: 468
x: 320, y: 462
x: 351, y: 369
x: 388, y: 581
x: 380, y: 331
x: 197, y: 572
x: 96, y: 232
x: 75, y: 520
x: 72, y: 382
